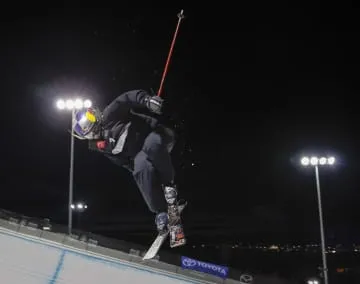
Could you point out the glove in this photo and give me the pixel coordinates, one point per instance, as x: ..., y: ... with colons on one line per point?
x: 101, y: 144
x: 95, y: 145
x: 154, y: 104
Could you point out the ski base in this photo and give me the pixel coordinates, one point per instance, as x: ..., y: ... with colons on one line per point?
x: 161, y: 237
x: 177, y: 236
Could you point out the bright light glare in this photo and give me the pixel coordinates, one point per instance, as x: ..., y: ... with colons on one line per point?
x: 60, y: 104
x: 331, y: 160
x: 314, y: 161
x: 305, y: 161
x: 87, y: 103
x: 322, y: 161
x: 78, y: 104
x: 80, y: 206
x: 69, y: 104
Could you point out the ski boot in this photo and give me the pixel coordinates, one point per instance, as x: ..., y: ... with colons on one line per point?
x: 162, y: 221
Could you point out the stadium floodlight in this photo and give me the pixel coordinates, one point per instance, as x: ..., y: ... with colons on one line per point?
x: 315, y: 162
x: 87, y: 103
x: 60, y: 104
x: 331, y: 160
x: 305, y: 161
x: 72, y: 105
x: 322, y: 161
x: 80, y: 206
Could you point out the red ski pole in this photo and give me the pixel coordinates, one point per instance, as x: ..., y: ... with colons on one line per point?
x: 180, y: 16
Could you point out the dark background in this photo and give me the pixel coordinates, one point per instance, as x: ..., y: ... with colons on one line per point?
x: 249, y: 90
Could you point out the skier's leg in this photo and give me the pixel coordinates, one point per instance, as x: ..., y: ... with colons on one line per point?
x: 154, y: 173
x: 158, y: 145
x: 149, y: 183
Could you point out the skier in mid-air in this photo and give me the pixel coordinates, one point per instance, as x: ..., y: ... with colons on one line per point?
x: 135, y: 140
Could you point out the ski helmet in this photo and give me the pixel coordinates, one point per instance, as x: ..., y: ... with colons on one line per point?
x: 85, y: 123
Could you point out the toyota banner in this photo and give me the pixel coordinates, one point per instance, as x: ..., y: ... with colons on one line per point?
x: 192, y: 264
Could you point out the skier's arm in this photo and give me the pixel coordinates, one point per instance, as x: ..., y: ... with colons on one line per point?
x: 121, y: 106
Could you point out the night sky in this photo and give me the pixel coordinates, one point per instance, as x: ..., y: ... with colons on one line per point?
x: 249, y: 90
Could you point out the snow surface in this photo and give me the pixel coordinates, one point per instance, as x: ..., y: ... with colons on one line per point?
x: 31, y: 261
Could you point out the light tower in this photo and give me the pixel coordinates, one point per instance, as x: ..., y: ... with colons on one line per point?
x: 72, y: 105
x: 315, y: 162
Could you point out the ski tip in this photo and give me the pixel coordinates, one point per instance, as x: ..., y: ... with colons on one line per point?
x: 181, y: 14
x: 148, y: 256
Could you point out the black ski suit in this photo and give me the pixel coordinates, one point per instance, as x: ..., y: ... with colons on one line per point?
x: 138, y: 142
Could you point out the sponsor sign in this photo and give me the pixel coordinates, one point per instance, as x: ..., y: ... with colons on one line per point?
x: 205, y: 267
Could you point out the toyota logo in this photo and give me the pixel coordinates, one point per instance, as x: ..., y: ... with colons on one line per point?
x: 189, y: 262
x: 246, y: 279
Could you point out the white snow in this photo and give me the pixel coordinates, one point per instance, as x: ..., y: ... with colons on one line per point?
x: 32, y: 262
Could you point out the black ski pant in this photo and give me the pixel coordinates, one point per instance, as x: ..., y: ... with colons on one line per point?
x: 153, y: 168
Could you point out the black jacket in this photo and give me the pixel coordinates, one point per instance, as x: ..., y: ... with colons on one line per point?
x: 123, y: 129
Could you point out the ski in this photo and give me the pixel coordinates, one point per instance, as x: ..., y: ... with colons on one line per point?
x: 176, y: 232
x: 161, y: 237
